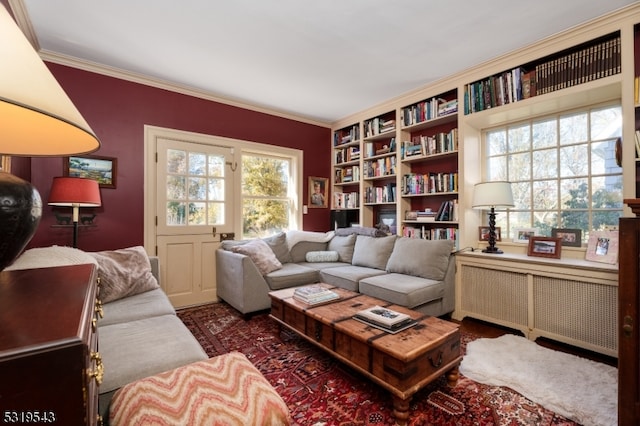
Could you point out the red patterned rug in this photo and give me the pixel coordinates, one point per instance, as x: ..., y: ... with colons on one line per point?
x: 320, y: 391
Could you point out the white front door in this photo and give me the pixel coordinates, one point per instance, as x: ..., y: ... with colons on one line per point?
x: 192, y: 184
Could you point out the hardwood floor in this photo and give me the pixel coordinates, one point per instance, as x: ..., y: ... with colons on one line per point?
x: 489, y: 330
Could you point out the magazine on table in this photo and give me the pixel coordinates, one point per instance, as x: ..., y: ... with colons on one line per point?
x: 314, y: 295
x: 385, y: 319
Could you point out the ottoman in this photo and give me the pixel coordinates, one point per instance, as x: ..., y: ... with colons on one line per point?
x: 224, y: 390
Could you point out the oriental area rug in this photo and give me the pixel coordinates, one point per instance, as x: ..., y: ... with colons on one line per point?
x: 321, y: 391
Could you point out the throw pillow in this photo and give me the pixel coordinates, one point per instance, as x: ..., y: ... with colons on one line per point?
x: 344, y: 246
x: 322, y: 256
x: 373, y: 252
x: 124, y: 272
x: 261, y: 254
x: 421, y: 258
x: 278, y: 244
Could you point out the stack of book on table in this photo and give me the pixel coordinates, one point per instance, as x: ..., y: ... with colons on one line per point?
x: 385, y: 319
x: 315, y: 295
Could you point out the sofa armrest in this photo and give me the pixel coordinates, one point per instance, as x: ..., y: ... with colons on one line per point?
x: 155, y: 267
x: 239, y: 282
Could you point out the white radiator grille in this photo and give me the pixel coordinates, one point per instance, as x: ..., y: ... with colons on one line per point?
x: 583, y: 311
x: 497, y: 294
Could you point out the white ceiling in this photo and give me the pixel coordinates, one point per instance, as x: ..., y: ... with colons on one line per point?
x: 321, y: 60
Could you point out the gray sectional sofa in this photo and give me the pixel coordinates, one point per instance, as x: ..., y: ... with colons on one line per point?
x: 139, y: 334
x: 415, y: 273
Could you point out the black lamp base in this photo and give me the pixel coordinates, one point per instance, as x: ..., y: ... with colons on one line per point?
x: 493, y: 250
x: 20, y: 212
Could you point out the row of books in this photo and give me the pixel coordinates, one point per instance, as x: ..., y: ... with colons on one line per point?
x: 372, y: 149
x: 385, y: 319
x: 428, y: 110
x: 429, y: 183
x: 347, y: 174
x: 315, y: 295
x: 426, y: 215
x: 430, y: 145
x: 598, y: 60
x: 381, y: 167
x: 380, y: 194
x: 345, y: 155
x: 378, y: 125
x: 345, y: 136
x: 346, y: 200
x: 429, y: 233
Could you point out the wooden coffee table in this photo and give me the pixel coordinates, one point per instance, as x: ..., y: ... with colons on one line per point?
x: 403, y: 363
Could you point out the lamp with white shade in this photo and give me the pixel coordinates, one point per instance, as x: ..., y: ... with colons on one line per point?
x: 489, y: 196
x: 37, y: 120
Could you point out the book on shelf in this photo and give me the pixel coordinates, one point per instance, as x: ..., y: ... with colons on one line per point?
x: 385, y: 319
x: 315, y: 295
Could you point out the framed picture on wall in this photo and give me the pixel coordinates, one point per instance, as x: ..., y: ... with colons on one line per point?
x: 318, y: 187
x: 101, y: 169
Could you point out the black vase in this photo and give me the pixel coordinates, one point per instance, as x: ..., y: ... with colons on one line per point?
x: 20, y: 211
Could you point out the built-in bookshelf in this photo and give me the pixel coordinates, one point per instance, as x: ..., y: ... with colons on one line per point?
x: 422, y: 151
x: 586, y: 62
x: 346, y: 168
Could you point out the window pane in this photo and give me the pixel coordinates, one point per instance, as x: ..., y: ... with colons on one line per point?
x: 262, y: 218
x: 197, y: 214
x: 521, y: 195
x: 497, y: 168
x: 176, y: 161
x: 176, y: 213
x: 519, y: 220
x: 607, y: 192
x: 216, y: 190
x: 545, y: 134
x: 197, y: 164
x: 215, y: 214
x: 573, y: 193
x: 265, y: 176
x: 216, y: 165
x: 575, y: 220
x: 606, y: 123
x: 603, y: 158
x: 176, y: 187
x: 497, y: 142
x: 573, y: 129
x: 574, y: 161
x: 605, y: 219
x: 197, y: 188
x: 545, y: 164
x: 545, y: 194
x: 519, y: 139
x: 545, y: 221
x: 520, y: 167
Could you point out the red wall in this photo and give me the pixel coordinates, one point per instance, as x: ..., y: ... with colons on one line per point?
x: 117, y: 111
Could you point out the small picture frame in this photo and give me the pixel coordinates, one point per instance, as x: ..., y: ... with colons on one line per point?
x: 545, y: 247
x: 318, y: 187
x: 603, y: 247
x: 522, y: 235
x: 388, y: 218
x: 483, y: 233
x: 101, y: 169
x: 569, y: 237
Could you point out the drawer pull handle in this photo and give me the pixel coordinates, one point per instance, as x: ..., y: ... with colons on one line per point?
x: 94, y: 324
x: 99, y: 310
x: 98, y: 372
x: 437, y: 363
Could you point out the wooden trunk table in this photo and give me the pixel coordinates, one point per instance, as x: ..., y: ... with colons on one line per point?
x: 403, y: 363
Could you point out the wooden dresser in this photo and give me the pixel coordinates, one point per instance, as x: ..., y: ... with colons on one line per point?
x: 50, y: 367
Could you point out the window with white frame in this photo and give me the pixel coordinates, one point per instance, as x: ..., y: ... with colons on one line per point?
x: 268, y: 188
x: 563, y: 170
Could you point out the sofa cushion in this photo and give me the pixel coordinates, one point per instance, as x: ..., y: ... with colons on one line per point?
x: 144, y: 305
x: 278, y: 244
x: 124, y: 272
x: 344, y: 246
x: 404, y: 290
x: 136, y: 349
x: 420, y: 258
x: 322, y: 256
x: 261, y: 254
x: 290, y: 275
x: 373, y: 252
x: 348, y: 276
